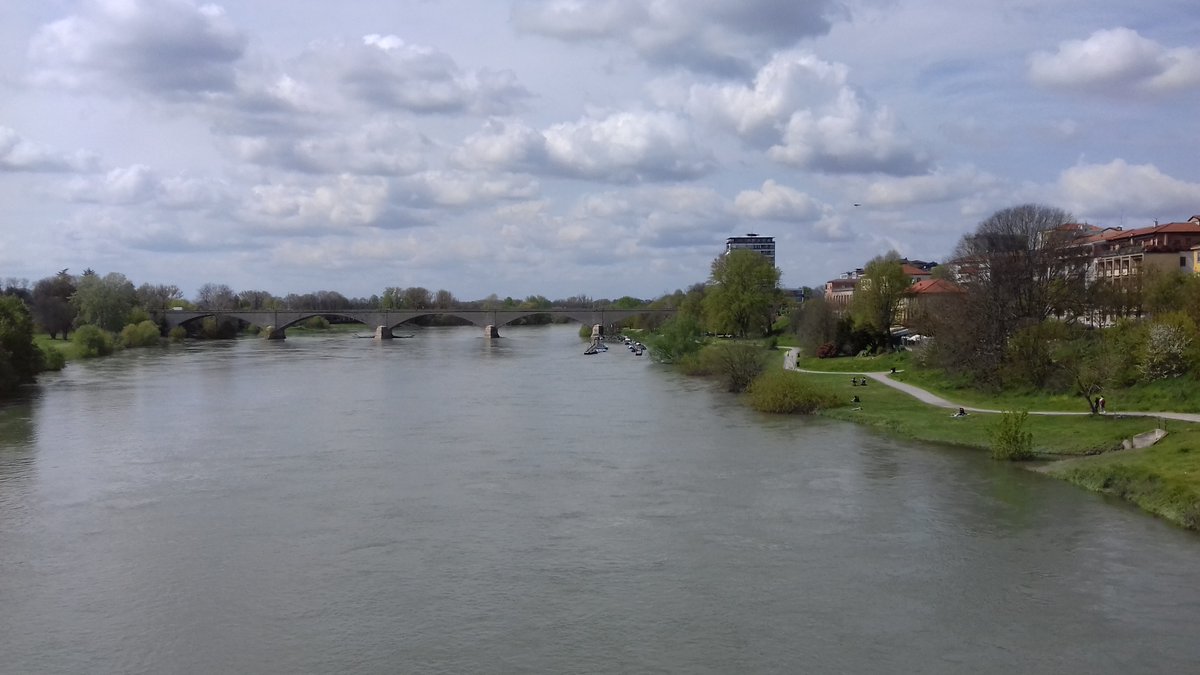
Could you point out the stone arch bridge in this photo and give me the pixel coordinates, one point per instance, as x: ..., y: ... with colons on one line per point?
x: 383, y: 321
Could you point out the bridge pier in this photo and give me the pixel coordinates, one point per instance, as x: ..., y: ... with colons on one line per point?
x: 490, y: 331
x: 273, y: 333
x: 383, y: 333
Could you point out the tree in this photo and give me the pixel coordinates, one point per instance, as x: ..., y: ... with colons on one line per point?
x: 52, y: 304
x: 743, y: 295
x: 257, y: 300
x: 815, y: 323
x: 416, y: 297
x: 216, y: 297
x: 1019, y: 267
x: 878, y: 296
x: 104, y: 301
x: 157, y: 296
x: 444, y: 299
x: 20, y: 358
x: 675, y: 339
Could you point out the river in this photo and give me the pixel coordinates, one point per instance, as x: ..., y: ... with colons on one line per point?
x: 450, y: 504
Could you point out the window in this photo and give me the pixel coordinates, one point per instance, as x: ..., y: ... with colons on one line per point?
x: 1183, y: 261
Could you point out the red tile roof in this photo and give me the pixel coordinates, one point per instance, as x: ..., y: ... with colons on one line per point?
x: 1168, y: 228
x: 933, y: 286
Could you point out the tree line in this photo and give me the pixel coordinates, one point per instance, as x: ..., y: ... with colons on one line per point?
x: 98, y: 313
x: 1026, y: 313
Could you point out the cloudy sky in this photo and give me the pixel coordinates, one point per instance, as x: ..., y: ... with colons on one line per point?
x: 563, y: 147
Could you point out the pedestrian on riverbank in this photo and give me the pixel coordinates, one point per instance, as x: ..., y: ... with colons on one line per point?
x: 1100, y: 403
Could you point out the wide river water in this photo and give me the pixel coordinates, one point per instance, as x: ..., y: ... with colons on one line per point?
x: 450, y: 504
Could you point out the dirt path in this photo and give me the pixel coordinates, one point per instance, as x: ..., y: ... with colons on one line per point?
x: 883, y: 377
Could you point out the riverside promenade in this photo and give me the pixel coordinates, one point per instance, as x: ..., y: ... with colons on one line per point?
x: 790, y: 360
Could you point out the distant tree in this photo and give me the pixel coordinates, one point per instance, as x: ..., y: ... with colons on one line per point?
x: 416, y: 297
x: 18, y: 288
x: 257, y: 300
x: 878, y: 295
x: 158, y: 296
x: 20, y: 358
x: 743, y: 295
x: 943, y: 272
x: 444, y: 299
x: 216, y: 297
x: 104, y: 301
x: 52, y: 307
x: 815, y: 323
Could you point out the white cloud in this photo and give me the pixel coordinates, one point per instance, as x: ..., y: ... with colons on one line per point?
x: 722, y: 36
x: 20, y: 154
x: 1117, y: 62
x: 384, y: 72
x: 627, y: 147
x: 162, y: 47
x: 807, y: 112
x: 940, y: 186
x: 345, y: 202
x: 379, y: 146
x: 504, y: 145
x: 458, y: 189
x: 1114, y: 189
x: 777, y: 202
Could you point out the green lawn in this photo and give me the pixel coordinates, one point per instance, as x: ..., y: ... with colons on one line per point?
x: 1163, y: 479
x: 1177, y: 395
x: 898, y: 413
x: 68, y: 349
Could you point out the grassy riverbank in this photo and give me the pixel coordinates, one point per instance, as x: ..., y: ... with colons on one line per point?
x: 1081, y: 449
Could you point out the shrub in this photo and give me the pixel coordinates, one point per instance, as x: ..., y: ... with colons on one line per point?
x: 92, y: 341
x: 144, y: 334
x: 781, y: 391
x: 827, y: 350
x: 137, y: 315
x: 1010, y: 440
x: 1168, y: 348
x: 738, y: 364
x: 53, y: 359
x: 316, y: 323
x: 675, y: 340
x: 177, y: 334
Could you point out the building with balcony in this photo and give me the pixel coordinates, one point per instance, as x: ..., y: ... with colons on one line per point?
x: 764, y: 246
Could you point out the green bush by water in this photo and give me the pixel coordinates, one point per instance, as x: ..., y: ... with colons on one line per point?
x: 1010, y: 440
x: 781, y: 391
x: 92, y: 341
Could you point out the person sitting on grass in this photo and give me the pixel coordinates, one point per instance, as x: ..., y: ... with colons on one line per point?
x: 962, y: 412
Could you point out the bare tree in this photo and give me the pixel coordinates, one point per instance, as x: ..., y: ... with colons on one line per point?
x: 1018, y: 268
x: 216, y: 297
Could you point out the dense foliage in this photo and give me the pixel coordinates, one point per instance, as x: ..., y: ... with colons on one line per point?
x: 782, y: 391
x: 20, y: 359
x: 92, y: 341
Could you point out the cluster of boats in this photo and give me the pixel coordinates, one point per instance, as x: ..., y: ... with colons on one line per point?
x: 598, y: 346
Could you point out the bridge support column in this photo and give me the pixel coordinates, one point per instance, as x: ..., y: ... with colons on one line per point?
x: 273, y: 333
x: 490, y: 331
x: 383, y: 333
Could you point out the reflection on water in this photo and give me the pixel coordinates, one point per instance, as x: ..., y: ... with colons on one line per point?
x: 448, y: 503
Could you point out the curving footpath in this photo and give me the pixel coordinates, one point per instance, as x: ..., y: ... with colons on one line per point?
x: 789, y: 363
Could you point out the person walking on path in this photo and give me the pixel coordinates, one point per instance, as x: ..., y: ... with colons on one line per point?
x: 1100, y: 403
